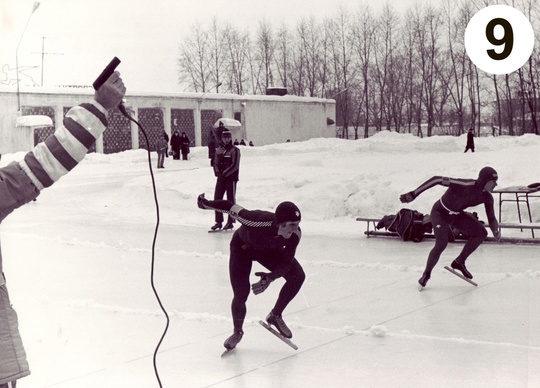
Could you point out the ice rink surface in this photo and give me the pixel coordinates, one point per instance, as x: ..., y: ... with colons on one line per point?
x: 78, y: 262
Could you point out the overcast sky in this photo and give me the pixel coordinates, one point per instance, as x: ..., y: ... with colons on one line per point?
x: 82, y: 36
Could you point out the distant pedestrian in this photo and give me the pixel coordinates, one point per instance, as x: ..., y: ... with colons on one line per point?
x: 161, y: 149
x: 166, y: 137
x: 175, y: 145
x: 184, y: 146
x: 251, y: 144
x: 227, y: 170
x: 236, y: 142
x: 242, y: 142
x: 450, y: 211
x: 470, y: 140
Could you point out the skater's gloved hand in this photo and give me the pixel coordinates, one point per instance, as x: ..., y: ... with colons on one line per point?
x: 202, y: 202
x: 407, y: 197
x: 262, y: 284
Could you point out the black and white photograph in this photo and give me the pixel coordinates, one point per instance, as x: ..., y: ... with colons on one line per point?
x: 256, y: 193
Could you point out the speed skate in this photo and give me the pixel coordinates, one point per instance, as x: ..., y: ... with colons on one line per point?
x: 278, y: 334
x: 460, y: 276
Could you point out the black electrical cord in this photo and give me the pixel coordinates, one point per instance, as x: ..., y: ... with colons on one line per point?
x: 126, y: 114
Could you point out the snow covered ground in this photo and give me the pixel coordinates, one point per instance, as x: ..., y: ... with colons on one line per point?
x: 78, y: 265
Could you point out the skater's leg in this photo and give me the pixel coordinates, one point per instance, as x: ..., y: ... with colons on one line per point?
x: 239, y: 271
x: 477, y: 232
x: 231, y: 196
x: 293, y: 282
x: 219, y: 192
x: 440, y: 230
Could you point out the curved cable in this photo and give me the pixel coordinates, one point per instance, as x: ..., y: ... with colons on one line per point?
x: 126, y: 114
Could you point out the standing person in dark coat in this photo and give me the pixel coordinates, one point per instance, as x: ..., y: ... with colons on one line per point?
x: 470, y: 140
x: 270, y: 239
x: 175, y: 145
x: 450, y: 210
x: 184, y: 146
x: 226, y: 169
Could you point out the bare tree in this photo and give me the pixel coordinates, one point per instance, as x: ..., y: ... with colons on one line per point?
x: 195, y: 60
x: 364, y: 28
x: 343, y: 66
x: 426, y: 26
x: 382, y: 71
x: 283, y: 55
x: 237, y: 48
x: 453, y: 72
x: 264, y: 55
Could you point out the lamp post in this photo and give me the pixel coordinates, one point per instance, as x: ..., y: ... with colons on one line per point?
x: 36, y: 6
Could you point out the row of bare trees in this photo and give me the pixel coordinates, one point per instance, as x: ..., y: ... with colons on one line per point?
x: 407, y: 72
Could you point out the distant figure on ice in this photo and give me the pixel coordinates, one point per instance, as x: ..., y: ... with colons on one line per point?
x: 270, y: 239
x: 449, y: 210
x: 161, y: 149
x: 184, y: 145
x: 226, y: 170
x: 21, y: 182
x: 470, y: 140
x: 175, y: 145
x: 166, y: 137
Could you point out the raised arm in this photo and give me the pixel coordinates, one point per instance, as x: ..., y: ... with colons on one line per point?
x: 47, y: 162
x: 251, y: 218
x: 492, y: 220
x: 434, y: 181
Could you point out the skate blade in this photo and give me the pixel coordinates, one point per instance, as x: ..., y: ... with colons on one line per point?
x: 460, y: 276
x: 227, y: 351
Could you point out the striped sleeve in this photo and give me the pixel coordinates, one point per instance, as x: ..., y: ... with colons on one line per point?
x: 443, y: 181
x: 67, y: 146
x: 251, y: 218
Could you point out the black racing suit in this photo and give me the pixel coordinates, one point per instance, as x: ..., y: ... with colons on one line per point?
x: 449, y: 210
x: 257, y: 240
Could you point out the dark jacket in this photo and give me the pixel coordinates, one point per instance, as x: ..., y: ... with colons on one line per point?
x: 175, y: 143
x: 184, y: 144
x: 227, y: 162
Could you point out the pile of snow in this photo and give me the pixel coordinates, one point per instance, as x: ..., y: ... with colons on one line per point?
x: 331, y: 180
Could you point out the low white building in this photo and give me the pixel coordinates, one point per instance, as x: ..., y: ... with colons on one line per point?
x: 264, y: 119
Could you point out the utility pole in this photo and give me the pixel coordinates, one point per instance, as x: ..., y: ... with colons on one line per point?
x: 36, y: 6
x: 43, y: 53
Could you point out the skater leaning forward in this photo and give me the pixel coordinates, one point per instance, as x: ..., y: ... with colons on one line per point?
x: 450, y: 210
x: 270, y: 239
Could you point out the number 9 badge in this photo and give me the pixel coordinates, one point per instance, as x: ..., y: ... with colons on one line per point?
x: 499, y: 39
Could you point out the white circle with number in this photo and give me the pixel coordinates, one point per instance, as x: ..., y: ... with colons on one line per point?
x: 499, y: 39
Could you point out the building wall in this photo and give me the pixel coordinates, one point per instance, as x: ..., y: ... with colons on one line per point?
x: 265, y: 119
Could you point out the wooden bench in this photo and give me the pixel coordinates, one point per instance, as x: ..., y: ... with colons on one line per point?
x: 505, y: 225
x: 368, y: 220
x: 515, y: 240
